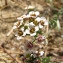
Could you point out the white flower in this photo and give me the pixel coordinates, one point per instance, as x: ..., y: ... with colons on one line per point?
x: 20, y: 33
x: 19, y: 37
x: 31, y: 12
x: 44, y: 19
x: 22, y: 28
x: 36, y: 28
x: 40, y: 26
x: 38, y: 19
x: 28, y: 16
x: 37, y: 13
x: 20, y: 18
x: 32, y: 34
x: 46, y: 23
x: 33, y: 30
x: 14, y: 27
x: 30, y: 7
x: 26, y: 32
x: 42, y: 22
x: 41, y: 53
x: 31, y: 24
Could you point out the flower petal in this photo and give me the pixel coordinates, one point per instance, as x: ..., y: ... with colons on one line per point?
x: 44, y: 19
x: 19, y: 37
x: 33, y: 34
x: 41, y: 53
x: 46, y: 23
x: 14, y: 27
x: 36, y: 28
x: 38, y: 19
x: 37, y: 13
x: 32, y: 12
x: 31, y: 24
x: 40, y: 26
x: 20, y: 18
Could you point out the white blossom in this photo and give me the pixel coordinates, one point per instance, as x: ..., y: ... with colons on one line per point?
x: 27, y: 31
x: 37, y: 13
x: 36, y: 28
x: 29, y: 27
x: 20, y: 18
x: 19, y: 37
x: 14, y: 27
x: 32, y: 34
x: 30, y: 7
x: 46, y: 23
x: 41, y: 53
x: 38, y: 19
x: 22, y: 28
x: 44, y: 19
x: 31, y: 24
x: 28, y: 16
x: 31, y: 12
x: 40, y: 26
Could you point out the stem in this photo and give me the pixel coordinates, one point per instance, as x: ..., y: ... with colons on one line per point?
x: 46, y: 40
x: 9, y: 54
x: 10, y: 32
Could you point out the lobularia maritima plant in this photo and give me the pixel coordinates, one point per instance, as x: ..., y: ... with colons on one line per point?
x: 33, y: 25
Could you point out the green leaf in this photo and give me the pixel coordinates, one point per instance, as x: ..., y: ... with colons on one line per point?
x: 25, y: 27
x: 30, y: 10
x: 38, y: 32
x: 53, y: 24
x: 46, y: 60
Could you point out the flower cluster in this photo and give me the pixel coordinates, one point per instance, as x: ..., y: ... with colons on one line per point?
x: 29, y: 24
x: 33, y: 25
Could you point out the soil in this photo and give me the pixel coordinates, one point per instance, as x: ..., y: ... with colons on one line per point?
x: 8, y: 16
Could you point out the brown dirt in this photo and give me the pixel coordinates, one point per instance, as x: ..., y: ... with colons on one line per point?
x: 8, y: 15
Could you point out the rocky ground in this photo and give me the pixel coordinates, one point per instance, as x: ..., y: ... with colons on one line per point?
x: 8, y: 16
